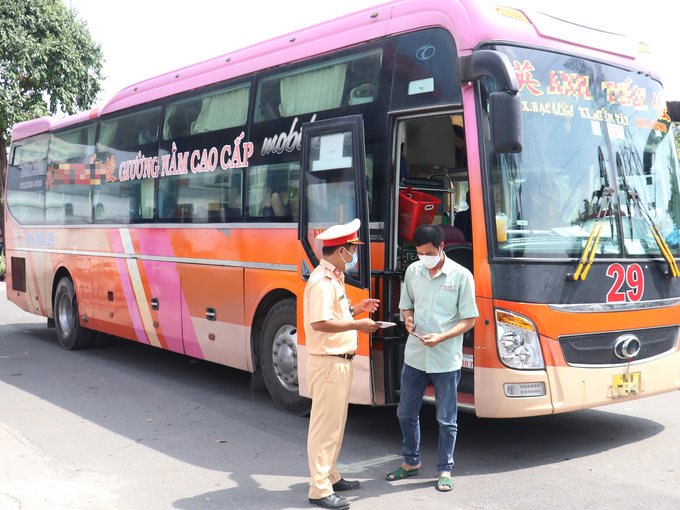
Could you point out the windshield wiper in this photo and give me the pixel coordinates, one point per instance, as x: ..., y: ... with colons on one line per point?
x: 633, y: 196
x: 606, y: 194
x: 619, y: 165
x: 589, y: 254
x: 660, y: 241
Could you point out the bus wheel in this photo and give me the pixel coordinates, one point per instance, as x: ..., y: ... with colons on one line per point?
x: 69, y: 331
x: 279, y: 358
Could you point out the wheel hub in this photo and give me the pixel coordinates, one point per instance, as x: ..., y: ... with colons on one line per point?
x: 65, y: 314
x: 284, y: 357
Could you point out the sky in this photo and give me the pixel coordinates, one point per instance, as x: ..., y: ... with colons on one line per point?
x: 144, y: 38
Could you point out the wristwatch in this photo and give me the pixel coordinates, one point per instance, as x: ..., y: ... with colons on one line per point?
x: 351, y: 310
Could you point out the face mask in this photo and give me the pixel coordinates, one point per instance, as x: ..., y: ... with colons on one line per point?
x: 430, y: 261
x: 349, y: 265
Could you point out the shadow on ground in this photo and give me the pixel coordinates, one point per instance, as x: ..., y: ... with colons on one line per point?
x: 119, y: 383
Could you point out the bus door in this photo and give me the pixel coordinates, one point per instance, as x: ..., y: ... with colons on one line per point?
x: 431, y: 160
x: 333, y: 190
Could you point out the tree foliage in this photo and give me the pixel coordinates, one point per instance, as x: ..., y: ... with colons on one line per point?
x: 48, y: 64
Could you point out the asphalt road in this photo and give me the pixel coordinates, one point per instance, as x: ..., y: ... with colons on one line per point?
x: 126, y: 426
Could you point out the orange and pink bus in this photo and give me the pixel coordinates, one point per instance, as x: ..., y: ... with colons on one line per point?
x: 183, y: 212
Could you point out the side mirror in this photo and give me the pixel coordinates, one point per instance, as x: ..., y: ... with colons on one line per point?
x: 505, y: 105
x: 673, y: 110
x: 506, y: 122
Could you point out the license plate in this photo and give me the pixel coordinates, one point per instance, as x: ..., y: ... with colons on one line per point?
x: 625, y: 385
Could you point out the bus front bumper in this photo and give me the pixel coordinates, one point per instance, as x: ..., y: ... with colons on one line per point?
x: 571, y: 388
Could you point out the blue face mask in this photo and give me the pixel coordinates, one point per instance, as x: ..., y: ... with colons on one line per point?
x: 349, y: 265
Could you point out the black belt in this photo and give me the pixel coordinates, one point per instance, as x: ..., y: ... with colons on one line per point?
x: 344, y: 356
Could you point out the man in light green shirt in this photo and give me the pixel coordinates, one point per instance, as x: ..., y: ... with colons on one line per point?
x: 438, y: 306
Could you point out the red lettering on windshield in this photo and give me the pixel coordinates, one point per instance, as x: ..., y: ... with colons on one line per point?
x: 49, y: 182
x: 569, y: 84
x: 626, y: 94
x: 650, y: 124
x: 525, y: 78
x: 110, y: 168
x: 659, y: 106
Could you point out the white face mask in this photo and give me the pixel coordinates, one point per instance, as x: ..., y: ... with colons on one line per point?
x: 349, y: 265
x: 430, y: 261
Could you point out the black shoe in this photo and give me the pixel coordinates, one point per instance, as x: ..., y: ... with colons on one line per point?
x: 331, y: 501
x: 345, y: 485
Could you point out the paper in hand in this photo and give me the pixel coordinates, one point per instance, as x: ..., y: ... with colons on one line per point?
x: 384, y: 325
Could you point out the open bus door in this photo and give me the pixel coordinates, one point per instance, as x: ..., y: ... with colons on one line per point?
x: 333, y: 190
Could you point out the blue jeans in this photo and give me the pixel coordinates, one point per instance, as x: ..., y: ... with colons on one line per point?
x: 413, y: 385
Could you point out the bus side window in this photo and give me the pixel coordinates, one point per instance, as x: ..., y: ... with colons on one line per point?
x: 25, y: 196
x: 272, y: 192
x: 328, y: 85
x: 213, y: 111
x: 68, y: 200
x: 126, y: 138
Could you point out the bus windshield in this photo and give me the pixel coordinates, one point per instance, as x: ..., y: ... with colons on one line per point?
x: 598, y: 148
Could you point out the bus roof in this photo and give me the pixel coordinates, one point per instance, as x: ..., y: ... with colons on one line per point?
x: 469, y: 21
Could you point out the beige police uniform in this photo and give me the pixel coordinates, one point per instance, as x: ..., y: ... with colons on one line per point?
x: 329, y: 377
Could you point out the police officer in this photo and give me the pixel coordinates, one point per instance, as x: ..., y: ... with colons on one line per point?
x: 332, y: 341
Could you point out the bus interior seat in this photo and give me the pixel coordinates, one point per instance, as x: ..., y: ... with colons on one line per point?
x: 362, y: 94
x: 461, y: 254
x: 146, y: 136
x: 233, y: 212
x: 278, y: 206
x: 456, y: 247
x: 270, y: 110
x: 215, y: 215
x: 265, y: 208
x: 200, y: 213
x: 453, y: 235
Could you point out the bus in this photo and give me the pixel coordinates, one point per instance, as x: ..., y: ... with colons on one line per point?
x: 183, y: 213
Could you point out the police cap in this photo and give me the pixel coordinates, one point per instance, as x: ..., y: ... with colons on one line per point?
x: 341, y: 234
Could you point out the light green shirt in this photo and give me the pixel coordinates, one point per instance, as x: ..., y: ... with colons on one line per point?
x: 438, y: 304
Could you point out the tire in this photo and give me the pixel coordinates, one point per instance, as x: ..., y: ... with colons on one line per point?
x: 278, y: 352
x: 71, y: 334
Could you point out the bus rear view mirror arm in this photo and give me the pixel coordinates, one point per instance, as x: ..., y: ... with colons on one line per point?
x: 505, y: 104
x: 489, y: 63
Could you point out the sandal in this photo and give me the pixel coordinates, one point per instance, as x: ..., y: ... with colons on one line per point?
x: 444, y: 481
x: 401, y: 473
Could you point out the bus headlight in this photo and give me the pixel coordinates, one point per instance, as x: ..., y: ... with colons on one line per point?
x: 518, y: 344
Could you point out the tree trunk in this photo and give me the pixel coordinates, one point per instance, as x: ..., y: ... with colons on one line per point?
x: 3, y: 173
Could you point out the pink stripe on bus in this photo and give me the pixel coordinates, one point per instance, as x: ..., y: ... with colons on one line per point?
x: 117, y: 247
x: 154, y: 241
x: 131, y: 301
x: 191, y: 346
x: 164, y: 282
x: 165, y: 286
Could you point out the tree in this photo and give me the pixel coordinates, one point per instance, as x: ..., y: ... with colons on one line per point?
x: 48, y: 64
